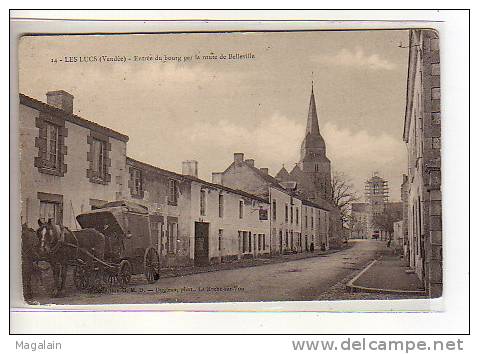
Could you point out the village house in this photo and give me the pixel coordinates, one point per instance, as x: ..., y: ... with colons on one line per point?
x: 199, y: 222
x: 314, y: 228
x: 404, y: 200
x: 166, y: 194
x: 422, y: 135
x: 397, y: 239
x: 286, y: 206
x: 360, y: 215
x: 68, y: 165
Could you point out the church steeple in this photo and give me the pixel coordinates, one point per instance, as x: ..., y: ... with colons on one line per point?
x: 313, y: 142
x: 312, y: 126
x: 313, y: 171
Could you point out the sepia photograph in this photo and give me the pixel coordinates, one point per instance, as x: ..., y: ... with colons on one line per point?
x: 218, y: 167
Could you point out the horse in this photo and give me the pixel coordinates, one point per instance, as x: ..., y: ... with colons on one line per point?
x: 30, y: 257
x: 61, y: 247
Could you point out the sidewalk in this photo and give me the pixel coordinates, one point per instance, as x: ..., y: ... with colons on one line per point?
x: 387, y: 275
x: 183, y: 271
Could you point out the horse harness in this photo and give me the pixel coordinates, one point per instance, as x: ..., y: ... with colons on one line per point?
x: 61, y: 231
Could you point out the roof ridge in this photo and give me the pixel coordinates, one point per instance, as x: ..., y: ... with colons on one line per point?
x: 73, y: 118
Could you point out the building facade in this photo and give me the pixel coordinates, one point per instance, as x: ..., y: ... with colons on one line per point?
x: 360, y: 218
x: 404, y: 200
x: 232, y: 224
x: 288, y: 209
x: 422, y: 135
x: 397, y: 239
x: 167, y: 196
x: 68, y: 164
x: 199, y: 222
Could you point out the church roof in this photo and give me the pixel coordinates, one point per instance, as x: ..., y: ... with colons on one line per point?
x: 282, y: 175
x: 295, y: 172
x: 313, y: 138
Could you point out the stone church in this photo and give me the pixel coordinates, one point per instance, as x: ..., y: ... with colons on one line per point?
x: 313, y: 171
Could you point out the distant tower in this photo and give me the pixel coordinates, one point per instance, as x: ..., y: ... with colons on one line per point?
x: 376, y: 193
x: 314, y: 163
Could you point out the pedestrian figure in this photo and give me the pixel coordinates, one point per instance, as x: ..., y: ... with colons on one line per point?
x: 311, y: 248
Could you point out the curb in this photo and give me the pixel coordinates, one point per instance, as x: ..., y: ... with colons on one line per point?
x: 356, y: 288
x: 275, y: 260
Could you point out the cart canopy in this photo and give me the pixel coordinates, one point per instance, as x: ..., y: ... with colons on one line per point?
x: 113, y: 218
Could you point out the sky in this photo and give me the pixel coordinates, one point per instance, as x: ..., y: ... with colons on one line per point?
x: 208, y: 109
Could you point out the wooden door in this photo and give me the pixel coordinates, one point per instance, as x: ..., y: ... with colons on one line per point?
x: 201, y: 243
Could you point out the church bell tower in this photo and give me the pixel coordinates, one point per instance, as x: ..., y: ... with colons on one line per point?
x: 314, y: 163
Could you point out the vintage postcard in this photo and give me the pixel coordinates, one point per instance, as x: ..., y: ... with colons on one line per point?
x: 230, y: 167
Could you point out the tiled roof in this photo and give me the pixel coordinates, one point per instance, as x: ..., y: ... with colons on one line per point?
x: 282, y: 174
x: 73, y: 118
x: 140, y: 164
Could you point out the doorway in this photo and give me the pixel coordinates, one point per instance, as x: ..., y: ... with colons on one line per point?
x: 201, y: 243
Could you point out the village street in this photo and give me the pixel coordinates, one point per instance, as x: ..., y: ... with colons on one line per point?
x: 304, y: 279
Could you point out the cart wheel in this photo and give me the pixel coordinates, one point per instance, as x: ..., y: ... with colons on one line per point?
x: 124, y: 272
x: 81, y: 278
x: 110, y: 278
x: 151, y: 265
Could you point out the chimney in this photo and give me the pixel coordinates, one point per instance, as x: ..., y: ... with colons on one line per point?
x: 217, y: 178
x: 238, y: 157
x: 60, y: 99
x: 264, y: 170
x: 190, y: 168
x: 249, y: 162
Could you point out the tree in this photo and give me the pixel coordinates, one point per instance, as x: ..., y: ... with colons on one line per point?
x: 388, y: 217
x: 356, y: 225
x: 343, y: 194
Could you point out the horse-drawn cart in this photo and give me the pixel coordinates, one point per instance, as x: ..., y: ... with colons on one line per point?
x: 129, y: 247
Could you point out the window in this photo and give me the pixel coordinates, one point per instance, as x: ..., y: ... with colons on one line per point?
x: 51, y: 207
x: 287, y: 239
x: 312, y: 221
x: 220, y: 205
x: 99, y: 159
x: 137, y: 182
x: 173, y: 192
x: 297, y: 216
x: 249, y: 241
x: 50, y: 210
x: 291, y: 214
x: 306, y: 217
x: 262, y: 242
x: 172, y: 236
x: 316, y: 167
x: 286, y: 213
x: 220, y: 239
x: 203, y: 202
x: 53, y: 152
x: 239, y: 241
x: 245, y: 241
x: 274, y: 209
x: 241, y: 209
x: 51, y: 145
